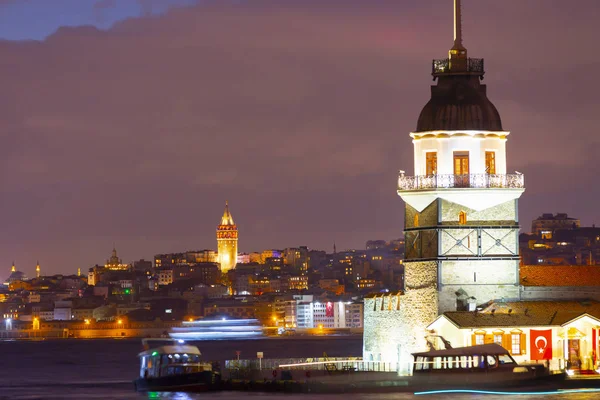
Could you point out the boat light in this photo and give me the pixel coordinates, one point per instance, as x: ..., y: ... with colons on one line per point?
x: 180, y: 341
x: 454, y: 391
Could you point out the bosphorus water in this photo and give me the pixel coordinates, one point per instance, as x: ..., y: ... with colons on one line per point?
x: 105, y: 369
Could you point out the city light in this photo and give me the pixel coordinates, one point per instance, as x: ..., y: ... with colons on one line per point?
x: 120, y: 321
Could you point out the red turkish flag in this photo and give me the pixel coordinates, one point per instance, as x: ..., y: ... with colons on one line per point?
x: 540, y: 343
x: 329, y: 309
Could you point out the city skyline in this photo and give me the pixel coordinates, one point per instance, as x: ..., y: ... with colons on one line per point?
x: 137, y: 135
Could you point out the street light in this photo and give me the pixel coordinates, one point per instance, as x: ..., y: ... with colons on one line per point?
x: 120, y: 321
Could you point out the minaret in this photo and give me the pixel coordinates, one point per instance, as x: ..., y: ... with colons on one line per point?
x: 227, y: 241
x: 461, y: 216
x: 78, y: 271
x: 13, y: 269
x: 37, y: 270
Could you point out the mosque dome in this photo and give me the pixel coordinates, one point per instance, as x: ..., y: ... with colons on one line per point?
x: 16, y: 275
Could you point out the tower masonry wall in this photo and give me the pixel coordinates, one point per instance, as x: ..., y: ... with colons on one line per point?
x: 484, y: 280
x: 472, y: 241
x: 394, y: 325
x: 502, y: 214
x: 427, y: 217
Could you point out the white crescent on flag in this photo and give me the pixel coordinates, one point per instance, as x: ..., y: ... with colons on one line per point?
x: 541, y: 339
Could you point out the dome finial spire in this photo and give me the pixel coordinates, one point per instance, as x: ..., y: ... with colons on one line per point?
x: 457, y: 26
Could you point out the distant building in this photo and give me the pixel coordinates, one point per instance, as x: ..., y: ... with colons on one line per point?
x: 325, y: 314
x: 547, y: 224
x: 296, y: 258
x: 187, y: 258
x: 142, y: 265
x: 206, y: 273
x: 15, y: 275
x: 114, y: 263
x: 376, y: 244
x: 227, y: 241
x: 165, y: 276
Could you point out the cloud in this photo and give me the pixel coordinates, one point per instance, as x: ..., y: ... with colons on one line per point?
x: 100, y: 7
x: 298, y: 113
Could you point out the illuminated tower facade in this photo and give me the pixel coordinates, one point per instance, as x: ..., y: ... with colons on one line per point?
x: 461, y: 219
x: 227, y: 241
x: 461, y: 216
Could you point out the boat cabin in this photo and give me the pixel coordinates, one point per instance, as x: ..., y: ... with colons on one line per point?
x: 482, y: 358
x: 177, y: 359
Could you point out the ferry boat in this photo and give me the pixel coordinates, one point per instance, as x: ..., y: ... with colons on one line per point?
x: 487, y: 366
x: 217, y: 328
x: 484, y: 367
x: 174, y: 367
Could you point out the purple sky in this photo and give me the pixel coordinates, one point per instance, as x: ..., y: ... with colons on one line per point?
x: 296, y: 111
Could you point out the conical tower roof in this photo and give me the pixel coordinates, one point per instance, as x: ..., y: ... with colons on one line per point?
x: 227, y: 219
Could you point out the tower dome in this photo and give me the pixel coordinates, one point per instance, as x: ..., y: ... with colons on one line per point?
x: 459, y: 102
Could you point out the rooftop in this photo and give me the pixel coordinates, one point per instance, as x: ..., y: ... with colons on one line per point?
x: 559, y: 275
x: 524, y: 314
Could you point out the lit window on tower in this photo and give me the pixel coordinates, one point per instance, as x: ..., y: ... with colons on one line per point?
x: 490, y: 162
x: 431, y: 162
x: 462, y: 218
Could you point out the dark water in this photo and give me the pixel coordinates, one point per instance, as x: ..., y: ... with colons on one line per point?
x: 104, y: 369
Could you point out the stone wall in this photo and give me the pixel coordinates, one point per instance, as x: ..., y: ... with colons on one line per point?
x: 427, y: 218
x: 394, y: 325
x: 484, y: 280
x: 502, y: 214
x: 421, y: 244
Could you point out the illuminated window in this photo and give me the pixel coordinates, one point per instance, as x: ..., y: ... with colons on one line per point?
x: 416, y: 220
x: 461, y: 163
x: 515, y: 343
x: 490, y: 162
x: 498, y: 338
x: 431, y: 162
x: 479, y: 338
x: 462, y: 218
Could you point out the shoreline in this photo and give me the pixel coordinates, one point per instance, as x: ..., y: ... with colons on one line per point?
x: 135, y: 338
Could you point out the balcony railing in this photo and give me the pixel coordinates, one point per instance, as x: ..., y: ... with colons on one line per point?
x: 443, y: 65
x: 476, y: 181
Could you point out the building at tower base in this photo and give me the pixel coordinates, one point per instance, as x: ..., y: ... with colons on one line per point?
x: 394, y: 323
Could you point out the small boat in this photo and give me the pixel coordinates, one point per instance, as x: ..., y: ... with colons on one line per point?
x: 175, y: 367
x: 487, y: 365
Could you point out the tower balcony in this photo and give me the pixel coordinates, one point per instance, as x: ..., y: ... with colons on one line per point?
x: 474, y: 181
x: 452, y: 66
